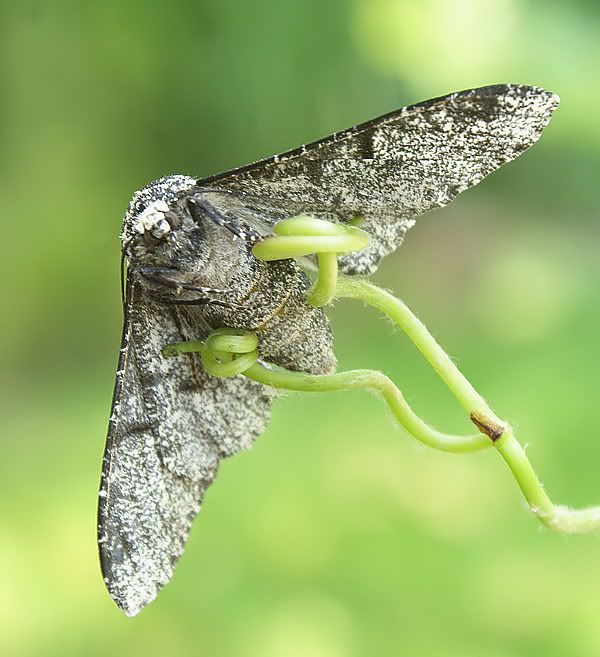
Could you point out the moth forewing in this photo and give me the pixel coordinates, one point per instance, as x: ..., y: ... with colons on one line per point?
x: 171, y: 424
x: 396, y: 167
x: 188, y: 244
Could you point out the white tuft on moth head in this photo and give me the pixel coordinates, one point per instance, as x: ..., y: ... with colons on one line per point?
x: 153, y: 220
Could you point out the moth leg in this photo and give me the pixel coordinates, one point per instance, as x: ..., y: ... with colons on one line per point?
x: 160, y: 275
x: 186, y: 347
x: 165, y: 277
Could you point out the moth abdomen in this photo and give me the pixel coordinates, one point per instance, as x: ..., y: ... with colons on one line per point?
x: 298, y: 337
x: 291, y: 332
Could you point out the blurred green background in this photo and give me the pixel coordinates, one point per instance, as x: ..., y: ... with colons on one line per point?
x: 337, y: 535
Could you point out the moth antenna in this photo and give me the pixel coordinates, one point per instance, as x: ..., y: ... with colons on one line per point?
x: 123, y: 278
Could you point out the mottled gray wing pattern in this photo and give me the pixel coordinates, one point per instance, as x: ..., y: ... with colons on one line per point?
x: 171, y: 424
x: 394, y: 168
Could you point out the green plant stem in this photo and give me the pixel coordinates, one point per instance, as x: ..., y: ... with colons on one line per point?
x: 368, y: 380
x: 401, y: 315
x: 324, y: 288
x: 228, y: 353
x: 514, y: 455
x: 556, y: 517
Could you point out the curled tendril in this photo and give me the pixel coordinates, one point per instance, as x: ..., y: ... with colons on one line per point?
x: 225, y: 352
x: 304, y: 235
x: 229, y: 352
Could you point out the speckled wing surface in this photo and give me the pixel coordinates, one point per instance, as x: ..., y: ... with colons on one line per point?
x: 170, y: 426
x: 171, y: 423
x: 393, y: 168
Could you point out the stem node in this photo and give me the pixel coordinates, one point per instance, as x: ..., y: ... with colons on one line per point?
x: 486, y: 426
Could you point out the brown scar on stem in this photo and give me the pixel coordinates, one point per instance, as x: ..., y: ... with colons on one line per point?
x: 487, y: 427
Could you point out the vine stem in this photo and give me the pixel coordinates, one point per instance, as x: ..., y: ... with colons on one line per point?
x: 401, y: 315
x: 371, y: 380
x: 556, y: 517
x: 228, y: 352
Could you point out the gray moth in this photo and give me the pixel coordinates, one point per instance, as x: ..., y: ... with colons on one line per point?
x: 190, y: 270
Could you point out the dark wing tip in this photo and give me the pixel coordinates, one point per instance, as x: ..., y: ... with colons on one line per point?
x: 540, y: 99
x: 510, y: 89
x: 517, y: 113
x: 537, y: 102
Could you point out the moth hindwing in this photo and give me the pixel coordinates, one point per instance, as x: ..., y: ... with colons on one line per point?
x: 188, y: 242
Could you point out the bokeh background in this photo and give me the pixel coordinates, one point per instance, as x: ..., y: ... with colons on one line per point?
x: 337, y: 535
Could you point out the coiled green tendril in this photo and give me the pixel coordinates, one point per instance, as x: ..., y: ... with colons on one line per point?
x: 231, y: 352
x: 304, y: 235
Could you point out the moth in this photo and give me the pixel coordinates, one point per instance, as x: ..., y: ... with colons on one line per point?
x: 190, y: 269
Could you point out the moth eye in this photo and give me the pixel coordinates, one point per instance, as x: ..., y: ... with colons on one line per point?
x: 139, y: 206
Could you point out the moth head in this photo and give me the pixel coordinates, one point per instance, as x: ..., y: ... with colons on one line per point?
x: 154, y: 217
